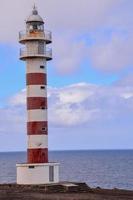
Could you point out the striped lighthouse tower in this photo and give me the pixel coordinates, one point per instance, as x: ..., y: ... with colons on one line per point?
x: 37, y: 170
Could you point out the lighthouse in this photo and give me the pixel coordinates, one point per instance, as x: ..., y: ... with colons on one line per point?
x: 36, y: 54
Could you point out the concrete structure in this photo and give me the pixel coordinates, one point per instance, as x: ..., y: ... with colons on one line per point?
x: 37, y: 170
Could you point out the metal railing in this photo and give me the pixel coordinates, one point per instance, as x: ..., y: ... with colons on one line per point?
x: 26, y: 53
x: 47, y: 35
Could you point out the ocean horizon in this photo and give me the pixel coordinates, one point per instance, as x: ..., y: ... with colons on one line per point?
x: 98, y: 168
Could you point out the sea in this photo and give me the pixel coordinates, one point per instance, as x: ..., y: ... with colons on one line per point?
x: 98, y: 168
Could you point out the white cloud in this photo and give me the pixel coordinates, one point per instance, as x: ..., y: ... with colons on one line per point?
x: 66, y: 105
x: 68, y: 54
x: 128, y: 95
x: 18, y: 99
x: 113, y: 54
x: 84, y: 103
x: 12, y: 120
x: 76, y: 93
x: 78, y: 105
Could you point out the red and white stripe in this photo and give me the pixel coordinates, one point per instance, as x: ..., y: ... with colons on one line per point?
x: 37, y: 125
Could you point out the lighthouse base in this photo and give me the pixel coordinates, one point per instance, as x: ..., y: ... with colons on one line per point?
x: 34, y: 174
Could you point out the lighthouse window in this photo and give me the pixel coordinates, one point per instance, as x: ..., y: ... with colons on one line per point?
x: 42, y: 87
x: 43, y: 108
x: 31, y: 28
x: 34, y: 27
x: 31, y: 167
x: 44, y: 129
x: 42, y: 66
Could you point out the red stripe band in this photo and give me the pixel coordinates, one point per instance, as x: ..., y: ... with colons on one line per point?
x: 37, y: 155
x: 36, y: 79
x: 37, y: 128
x: 36, y: 103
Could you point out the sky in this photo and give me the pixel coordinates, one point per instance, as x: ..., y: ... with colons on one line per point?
x: 90, y: 79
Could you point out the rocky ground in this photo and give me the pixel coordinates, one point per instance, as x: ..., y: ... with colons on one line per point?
x: 62, y: 191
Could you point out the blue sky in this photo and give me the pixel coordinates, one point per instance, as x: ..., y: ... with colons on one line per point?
x: 90, y: 78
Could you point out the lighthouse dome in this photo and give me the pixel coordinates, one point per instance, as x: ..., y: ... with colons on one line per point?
x: 34, y: 17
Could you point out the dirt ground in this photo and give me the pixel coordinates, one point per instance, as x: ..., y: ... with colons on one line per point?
x: 14, y: 192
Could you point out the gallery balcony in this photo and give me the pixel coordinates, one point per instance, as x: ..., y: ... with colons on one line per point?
x: 35, y: 35
x: 25, y: 54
